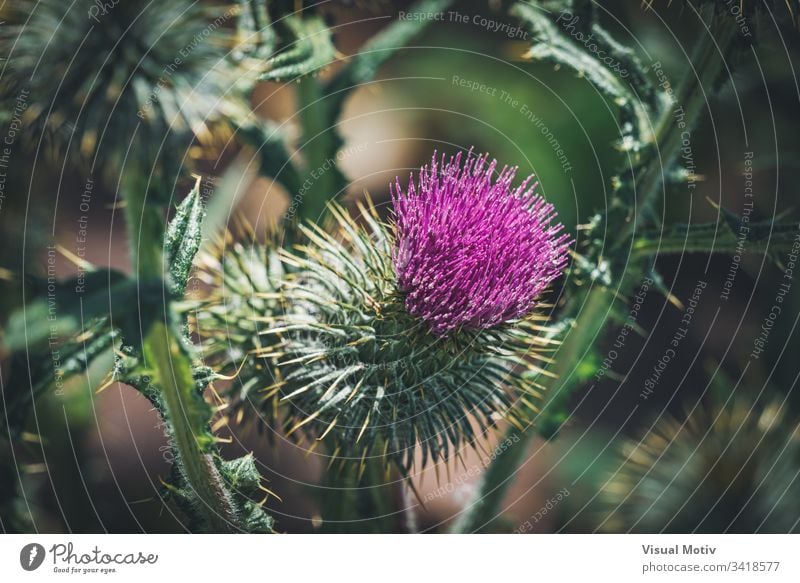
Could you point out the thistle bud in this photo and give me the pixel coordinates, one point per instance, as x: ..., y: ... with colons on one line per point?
x: 735, y: 461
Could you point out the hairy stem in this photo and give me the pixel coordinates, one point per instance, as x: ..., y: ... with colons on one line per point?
x: 172, y: 373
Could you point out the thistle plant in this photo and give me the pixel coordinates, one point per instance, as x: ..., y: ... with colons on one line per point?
x: 388, y: 339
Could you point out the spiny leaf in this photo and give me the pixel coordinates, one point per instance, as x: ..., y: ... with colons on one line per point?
x: 183, y: 238
x: 31, y: 374
x: 70, y: 307
x: 554, y: 45
x: 308, y: 48
x: 242, y: 482
x: 732, y: 234
x: 255, y: 36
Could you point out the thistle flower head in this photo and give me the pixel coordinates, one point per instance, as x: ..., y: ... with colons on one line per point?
x: 471, y: 250
x: 327, y: 338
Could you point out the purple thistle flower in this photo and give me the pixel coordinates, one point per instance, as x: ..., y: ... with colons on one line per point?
x: 471, y: 251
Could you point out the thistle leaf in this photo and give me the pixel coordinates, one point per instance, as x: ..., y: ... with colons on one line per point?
x: 553, y: 44
x: 308, y: 47
x: 240, y: 479
x: 731, y: 234
x: 182, y: 239
x: 255, y: 36
x: 31, y: 374
x: 244, y: 481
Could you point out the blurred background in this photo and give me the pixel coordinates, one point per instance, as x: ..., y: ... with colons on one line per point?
x: 93, y: 461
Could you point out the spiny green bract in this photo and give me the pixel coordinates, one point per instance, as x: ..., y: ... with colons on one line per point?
x: 240, y: 486
x: 324, y: 348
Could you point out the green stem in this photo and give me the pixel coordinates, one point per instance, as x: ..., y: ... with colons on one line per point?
x: 172, y: 373
x: 356, y: 499
x: 497, y: 478
x: 586, y: 331
x: 171, y: 369
x: 321, y: 142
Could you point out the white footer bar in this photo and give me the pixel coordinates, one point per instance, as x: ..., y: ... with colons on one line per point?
x: 399, y: 558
